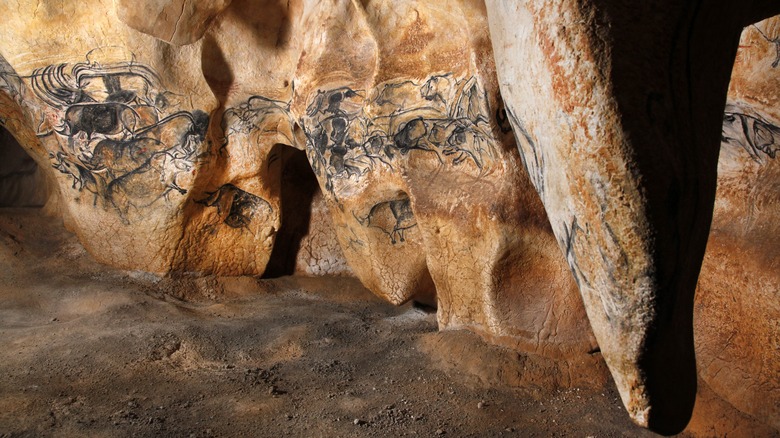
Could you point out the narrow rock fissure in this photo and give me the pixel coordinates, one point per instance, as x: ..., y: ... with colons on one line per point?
x: 22, y: 183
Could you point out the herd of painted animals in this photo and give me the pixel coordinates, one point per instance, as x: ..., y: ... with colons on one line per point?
x: 545, y: 172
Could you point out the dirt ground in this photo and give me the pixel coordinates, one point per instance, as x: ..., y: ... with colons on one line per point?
x: 92, y: 351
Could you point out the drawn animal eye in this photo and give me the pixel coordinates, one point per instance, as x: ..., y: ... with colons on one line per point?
x: 458, y: 136
x: 236, y: 221
x: 762, y: 134
x: 161, y: 101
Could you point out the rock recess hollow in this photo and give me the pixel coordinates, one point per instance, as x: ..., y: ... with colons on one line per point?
x: 543, y: 172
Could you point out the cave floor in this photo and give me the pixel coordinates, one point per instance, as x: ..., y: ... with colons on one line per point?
x: 89, y: 350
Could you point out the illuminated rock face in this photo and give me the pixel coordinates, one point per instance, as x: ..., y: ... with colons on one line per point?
x: 618, y: 122
x: 123, y: 125
x: 175, y: 133
x: 737, y: 313
x: 167, y: 158
x: 407, y: 135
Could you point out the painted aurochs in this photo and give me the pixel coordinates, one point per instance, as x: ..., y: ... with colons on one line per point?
x: 543, y: 171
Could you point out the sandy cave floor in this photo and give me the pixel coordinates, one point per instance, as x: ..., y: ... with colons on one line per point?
x: 88, y: 350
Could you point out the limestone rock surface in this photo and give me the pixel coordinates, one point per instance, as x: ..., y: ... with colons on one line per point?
x: 543, y: 172
x: 174, y: 21
x: 623, y: 150
x: 737, y: 317
x: 407, y: 135
x: 122, y: 119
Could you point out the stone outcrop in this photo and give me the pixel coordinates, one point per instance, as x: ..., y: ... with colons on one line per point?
x: 737, y: 312
x: 174, y: 21
x: 407, y: 135
x: 371, y: 139
x: 618, y: 120
x: 122, y: 119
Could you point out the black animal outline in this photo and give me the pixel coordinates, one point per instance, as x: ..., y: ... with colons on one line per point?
x: 251, y: 115
x: 133, y: 190
x: 775, y: 41
x: 10, y: 82
x: 238, y: 206
x: 444, y: 104
x: 529, y: 149
x: 129, y: 147
x: 393, y: 218
x: 568, y: 240
x: 328, y: 139
x: 755, y: 134
x: 82, y: 176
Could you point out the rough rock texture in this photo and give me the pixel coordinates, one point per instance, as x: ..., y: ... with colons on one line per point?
x: 175, y: 156
x: 617, y: 108
x: 169, y: 158
x: 89, y: 350
x: 307, y: 243
x: 370, y: 139
x: 247, y: 62
x: 175, y: 21
x: 737, y: 318
x: 420, y: 172
x: 121, y: 117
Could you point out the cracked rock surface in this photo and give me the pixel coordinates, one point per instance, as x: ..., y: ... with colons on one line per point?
x: 543, y: 174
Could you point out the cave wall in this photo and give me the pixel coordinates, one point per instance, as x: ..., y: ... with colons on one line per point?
x: 737, y: 312
x: 372, y: 139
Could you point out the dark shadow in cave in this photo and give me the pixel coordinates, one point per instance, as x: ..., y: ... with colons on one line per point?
x: 299, y: 187
x: 22, y: 183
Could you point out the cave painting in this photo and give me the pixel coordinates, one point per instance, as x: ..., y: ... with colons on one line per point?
x: 520, y: 162
x: 392, y: 217
x: 442, y: 116
x: 750, y: 131
x: 235, y: 206
x: 119, y: 135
